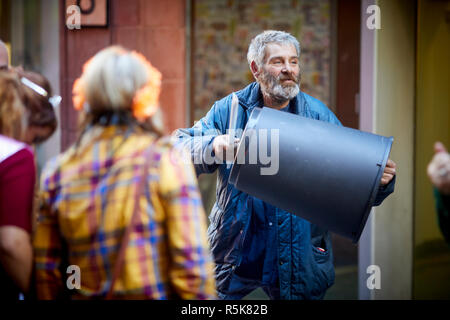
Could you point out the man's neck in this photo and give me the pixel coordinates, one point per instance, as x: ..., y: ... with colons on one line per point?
x: 274, y: 103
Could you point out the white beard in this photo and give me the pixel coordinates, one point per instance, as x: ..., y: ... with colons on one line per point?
x: 286, y: 93
x: 273, y: 88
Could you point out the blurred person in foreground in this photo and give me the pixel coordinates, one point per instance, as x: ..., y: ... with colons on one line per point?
x: 122, y: 204
x: 439, y: 173
x: 20, y: 107
x: 40, y: 106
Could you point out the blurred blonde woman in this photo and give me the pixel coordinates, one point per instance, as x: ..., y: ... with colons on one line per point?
x: 122, y: 204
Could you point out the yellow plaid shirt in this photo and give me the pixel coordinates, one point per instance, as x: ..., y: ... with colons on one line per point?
x: 86, y: 202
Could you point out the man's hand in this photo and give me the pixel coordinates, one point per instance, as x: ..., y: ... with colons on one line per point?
x: 439, y: 169
x: 389, y: 172
x: 224, y: 147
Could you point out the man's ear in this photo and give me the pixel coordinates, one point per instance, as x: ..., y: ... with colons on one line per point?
x: 255, y: 70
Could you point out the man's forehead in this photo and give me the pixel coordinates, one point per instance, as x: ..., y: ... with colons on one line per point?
x: 280, y: 49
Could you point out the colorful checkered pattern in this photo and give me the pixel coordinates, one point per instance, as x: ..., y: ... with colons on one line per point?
x: 86, y: 202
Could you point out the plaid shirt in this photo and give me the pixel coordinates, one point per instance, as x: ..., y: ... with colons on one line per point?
x: 86, y: 202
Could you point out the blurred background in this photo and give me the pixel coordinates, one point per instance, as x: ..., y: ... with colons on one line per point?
x: 392, y: 81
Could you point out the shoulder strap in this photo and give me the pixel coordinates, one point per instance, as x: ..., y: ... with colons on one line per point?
x: 148, y: 154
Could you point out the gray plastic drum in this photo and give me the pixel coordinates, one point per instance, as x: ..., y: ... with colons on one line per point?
x: 324, y: 173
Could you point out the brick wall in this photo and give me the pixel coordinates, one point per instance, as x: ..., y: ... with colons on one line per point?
x: 223, y: 30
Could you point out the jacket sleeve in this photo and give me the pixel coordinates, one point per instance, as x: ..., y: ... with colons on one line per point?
x: 192, y: 268
x: 384, y: 191
x: 198, y: 139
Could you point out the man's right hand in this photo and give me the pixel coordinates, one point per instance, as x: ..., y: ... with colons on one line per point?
x: 224, y: 147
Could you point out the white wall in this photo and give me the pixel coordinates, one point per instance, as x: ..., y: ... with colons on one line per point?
x: 387, y: 108
x: 50, y: 69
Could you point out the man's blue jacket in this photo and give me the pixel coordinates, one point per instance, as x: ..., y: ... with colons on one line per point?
x: 305, y: 271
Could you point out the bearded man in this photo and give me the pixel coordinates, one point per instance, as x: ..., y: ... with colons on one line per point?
x: 254, y: 244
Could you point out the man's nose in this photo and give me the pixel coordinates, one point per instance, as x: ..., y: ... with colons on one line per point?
x: 287, y: 68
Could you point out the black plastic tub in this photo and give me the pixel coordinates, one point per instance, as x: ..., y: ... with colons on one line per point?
x: 327, y: 174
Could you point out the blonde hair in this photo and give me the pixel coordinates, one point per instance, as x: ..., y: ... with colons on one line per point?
x: 13, y: 114
x: 110, y: 81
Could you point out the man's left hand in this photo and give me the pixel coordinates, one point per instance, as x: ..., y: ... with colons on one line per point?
x: 389, y: 172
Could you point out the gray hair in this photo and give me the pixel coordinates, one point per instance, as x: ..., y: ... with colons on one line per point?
x: 256, y: 50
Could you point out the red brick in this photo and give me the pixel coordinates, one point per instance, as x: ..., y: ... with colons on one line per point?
x: 173, y: 104
x: 125, y: 12
x: 82, y: 45
x: 162, y: 13
x: 129, y: 37
x: 165, y: 48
